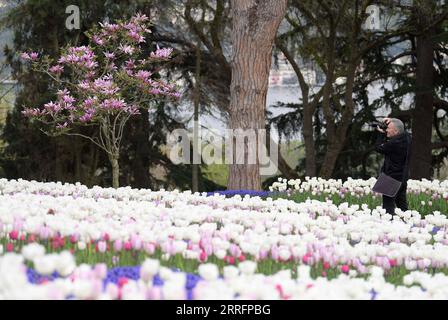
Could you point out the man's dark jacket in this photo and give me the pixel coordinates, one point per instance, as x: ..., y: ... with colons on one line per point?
x: 395, y: 150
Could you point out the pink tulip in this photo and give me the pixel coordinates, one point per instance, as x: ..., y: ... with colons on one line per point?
x: 203, y: 256
x: 229, y: 259
x: 118, y: 245
x: 393, y: 262
x: 102, y: 246
x: 378, y: 261
x: 9, y: 247
x: 345, y: 268
x: 73, y: 239
x: 44, y: 232
x: 14, y: 235
x: 234, y: 250
x: 263, y: 254
x: 208, y: 249
x: 136, y: 242
x: 306, y: 258
x: 127, y: 246
x: 55, y: 244
x: 362, y: 269
x: 386, y: 264
x: 150, y: 248
x: 31, y: 238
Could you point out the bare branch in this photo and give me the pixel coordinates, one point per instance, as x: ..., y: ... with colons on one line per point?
x: 88, y: 138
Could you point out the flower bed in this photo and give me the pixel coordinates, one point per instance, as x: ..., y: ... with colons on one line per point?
x: 262, y: 248
x: 424, y: 195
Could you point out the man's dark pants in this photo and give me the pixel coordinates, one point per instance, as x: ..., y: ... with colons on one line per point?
x: 399, y: 200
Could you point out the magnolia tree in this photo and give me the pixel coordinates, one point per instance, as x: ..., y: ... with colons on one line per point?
x: 103, y: 84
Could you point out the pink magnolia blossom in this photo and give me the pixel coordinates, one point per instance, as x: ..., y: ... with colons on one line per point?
x: 58, y: 69
x: 86, y: 117
x: 109, y: 55
x: 31, y: 112
x: 102, y: 88
x: 89, y: 102
x: 110, y: 27
x: 33, y: 56
x: 126, y: 49
x: 98, y: 40
x: 161, y: 53
x: 25, y: 56
x: 136, y: 36
x: 113, y: 104
x: 52, y: 107
x: 143, y: 75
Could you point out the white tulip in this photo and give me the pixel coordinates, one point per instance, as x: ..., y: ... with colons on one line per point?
x: 208, y: 271
x: 247, y: 267
x: 45, y: 265
x: 149, y: 269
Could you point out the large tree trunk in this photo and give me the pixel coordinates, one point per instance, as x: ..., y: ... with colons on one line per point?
x: 423, y: 113
x: 338, y: 136
x: 332, y: 152
x: 337, y: 132
x: 330, y: 159
x: 255, y: 24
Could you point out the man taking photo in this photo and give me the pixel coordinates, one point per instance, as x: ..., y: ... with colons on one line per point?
x: 395, y: 143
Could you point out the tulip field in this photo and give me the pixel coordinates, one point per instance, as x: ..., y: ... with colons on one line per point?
x: 312, y: 239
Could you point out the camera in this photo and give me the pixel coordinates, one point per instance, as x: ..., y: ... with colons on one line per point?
x: 383, y: 125
x: 380, y: 124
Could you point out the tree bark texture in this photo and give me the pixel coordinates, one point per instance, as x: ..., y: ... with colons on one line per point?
x: 254, y: 28
x: 422, y: 119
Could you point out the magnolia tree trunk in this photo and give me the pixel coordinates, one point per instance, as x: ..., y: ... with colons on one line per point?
x: 254, y: 28
x: 115, y: 170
